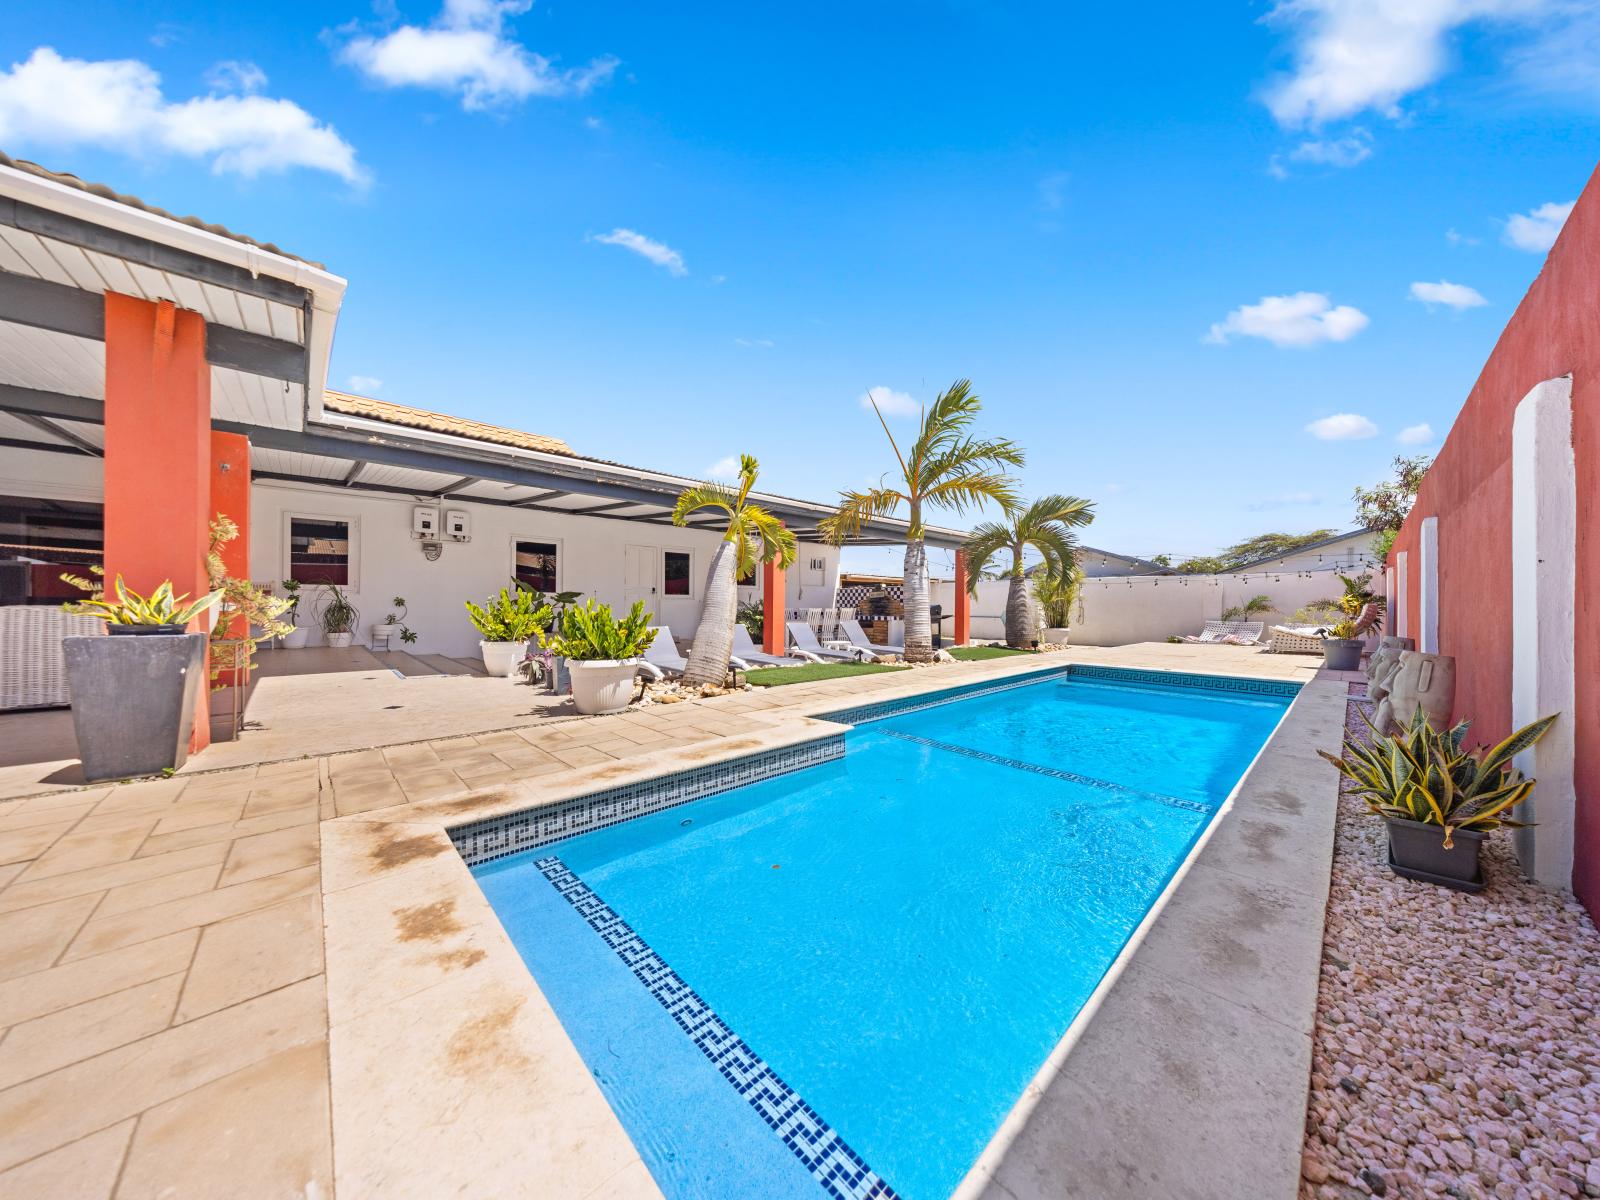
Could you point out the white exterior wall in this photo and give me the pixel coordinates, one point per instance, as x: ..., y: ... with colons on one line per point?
x: 389, y: 563
x: 1348, y: 554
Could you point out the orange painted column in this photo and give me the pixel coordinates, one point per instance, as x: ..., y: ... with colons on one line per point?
x: 230, y: 497
x: 158, y: 454
x: 774, y: 593
x: 963, y: 601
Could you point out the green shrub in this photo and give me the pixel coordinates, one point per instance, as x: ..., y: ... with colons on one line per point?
x: 510, y: 618
x: 589, y: 632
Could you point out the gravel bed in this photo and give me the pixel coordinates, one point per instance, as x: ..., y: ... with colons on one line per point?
x: 1457, y: 1050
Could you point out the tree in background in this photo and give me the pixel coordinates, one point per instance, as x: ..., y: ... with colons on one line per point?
x: 1046, y: 525
x: 945, y: 467
x: 1262, y: 545
x: 1384, y: 507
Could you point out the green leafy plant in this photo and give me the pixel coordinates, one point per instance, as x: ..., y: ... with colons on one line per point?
x: 1252, y: 606
x: 160, y: 607
x: 1058, y: 594
x: 1358, y: 595
x: 407, y: 634
x: 752, y: 615
x: 249, y: 616
x: 1383, y: 508
x: 589, y: 632
x: 291, y: 593
x: 1423, y: 774
x: 559, y: 602
x: 338, y: 614
x: 509, y: 617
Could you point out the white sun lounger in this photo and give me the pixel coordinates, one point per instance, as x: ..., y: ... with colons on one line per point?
x: 807, y: 646
x: 744, y: 646
x: 1227, y: 633
x: 662, y: 657
x: 858, y: 639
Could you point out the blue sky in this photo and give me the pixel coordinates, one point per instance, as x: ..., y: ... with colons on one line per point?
x: 1206, y: 262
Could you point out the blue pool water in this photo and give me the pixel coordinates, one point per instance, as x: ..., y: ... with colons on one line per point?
x: 900, y: 936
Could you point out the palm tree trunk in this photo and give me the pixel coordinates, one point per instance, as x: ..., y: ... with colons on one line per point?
x: 713, y: 640
x: 919, y: 629
x: 1019, y: 613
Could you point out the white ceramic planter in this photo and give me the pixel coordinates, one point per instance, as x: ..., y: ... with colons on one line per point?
x: 341, y: 641
x: 1056, y: 637
x: 295, y: 638
x: 602, y: 685
x: 498, y: 656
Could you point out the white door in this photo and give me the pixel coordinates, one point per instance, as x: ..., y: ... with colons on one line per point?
x: 641, y: 579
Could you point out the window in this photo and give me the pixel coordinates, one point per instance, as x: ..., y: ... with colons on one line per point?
x: 319, y: 550
x: 675, y: 573
x: 40, y: 540
x: 536, y: 565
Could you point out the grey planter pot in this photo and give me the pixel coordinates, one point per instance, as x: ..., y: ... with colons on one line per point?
x: 1342, y: 654
x: 1416, y: 851
x: 133, y: 700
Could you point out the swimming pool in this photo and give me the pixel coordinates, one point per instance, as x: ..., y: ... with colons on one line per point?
x: 843, y: 976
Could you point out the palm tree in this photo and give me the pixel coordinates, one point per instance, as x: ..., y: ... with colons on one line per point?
x: 945, y: 467
x: 1046, y: 525
x: 753, y: 535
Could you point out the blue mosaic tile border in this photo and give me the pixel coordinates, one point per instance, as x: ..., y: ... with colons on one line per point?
x: 840, y: 1171
x: 500, y: 837
x: 861, y: 714
x: 1053, y: 772
x: 1178, y: 679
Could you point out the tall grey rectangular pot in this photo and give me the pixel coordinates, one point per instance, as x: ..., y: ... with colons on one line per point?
x: 133, y: 701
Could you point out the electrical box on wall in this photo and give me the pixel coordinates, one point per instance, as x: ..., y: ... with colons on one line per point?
x: 425, y: 523
x: 458, y: 525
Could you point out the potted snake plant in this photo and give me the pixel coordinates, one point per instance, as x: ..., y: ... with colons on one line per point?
x: 602, y: 653
x: 134, y: 693
x: 1439, y: 800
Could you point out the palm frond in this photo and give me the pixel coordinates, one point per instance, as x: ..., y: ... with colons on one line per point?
x: 984, y: 542
x: 776, y: 539
x: 856, y: 509
x: 962, y: 492
x: 703, y: 495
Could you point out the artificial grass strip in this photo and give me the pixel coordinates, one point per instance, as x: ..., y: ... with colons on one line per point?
x: 979, y: 653
x: 811, y: 672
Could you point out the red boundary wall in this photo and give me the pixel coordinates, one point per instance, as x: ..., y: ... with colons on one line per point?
x: 1555, y: 331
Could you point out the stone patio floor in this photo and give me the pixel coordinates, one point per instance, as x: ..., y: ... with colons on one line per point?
x: 259, y: 981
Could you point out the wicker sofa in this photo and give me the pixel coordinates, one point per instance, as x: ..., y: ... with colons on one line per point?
x: 32, y: 671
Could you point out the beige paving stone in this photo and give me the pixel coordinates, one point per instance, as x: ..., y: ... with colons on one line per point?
x: 124, y: 929
x: 10, y: 871
x: 300, y: 768
x: 87, y: 847
x: 261, y: 1131
x: 581, y: 756
x: 504, y: 1089
x: 367, y: 795
x: 269, y: 853
x: 158, y: 890
x: 27, y: 842
x: 429, y: 784
x: 29, y: 996
x: 185, y: 815
x: 26, y: 893
x: 18, y: 817
x: 65, y: 1105
x: 356, y: 851
x: 253, y: 954
x: 84, y: 1030
x: 152, y: 793
x: 633, y: 1182
x: 82, y: 1170
x: 209, y: 834
x: 394, y: 936
x: 33, y: 938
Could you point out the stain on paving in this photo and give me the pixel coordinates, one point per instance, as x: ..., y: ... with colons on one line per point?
x: 397, y: 851
x: 484, y: 1043
x: 427, y: 922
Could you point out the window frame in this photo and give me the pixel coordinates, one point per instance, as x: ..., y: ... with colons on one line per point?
x: 689, y: 578
x: 561, y: 556
x: 352, y: 526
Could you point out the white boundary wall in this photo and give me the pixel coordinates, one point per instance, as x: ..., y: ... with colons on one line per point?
x: 1119, y: 611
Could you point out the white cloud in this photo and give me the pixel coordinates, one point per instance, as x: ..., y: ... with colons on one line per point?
x: 1536, y: 231
x: 1452, y: 295
x: 365, y: 383
x: 726, y: 469
x: 1346, y: 151
x: 755, y: 343
x: 657, y: 252
x: 1303, y: 319
x: 1456, y: 238
x: 117, y: 104
x: 1342, y: 427
x: 467, y: 50
x: 890, y: 402
x: 1354, y: 55
x: 1415, y: 435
